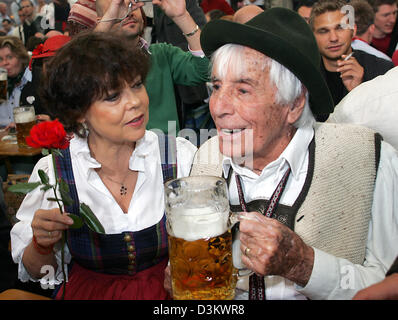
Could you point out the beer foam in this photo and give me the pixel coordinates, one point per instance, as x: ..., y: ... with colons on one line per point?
x: 3, y: 76
x: 198, y: 223
x: 23, y: 117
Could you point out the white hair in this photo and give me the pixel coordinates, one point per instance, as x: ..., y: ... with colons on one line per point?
x: 289, y: 87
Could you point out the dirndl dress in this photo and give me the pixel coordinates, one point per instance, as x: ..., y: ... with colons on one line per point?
x: 124, y: 266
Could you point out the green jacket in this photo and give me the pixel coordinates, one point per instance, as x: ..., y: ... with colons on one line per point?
x: 169, y: 66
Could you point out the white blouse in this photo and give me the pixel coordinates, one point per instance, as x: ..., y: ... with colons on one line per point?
x: 146, y: 206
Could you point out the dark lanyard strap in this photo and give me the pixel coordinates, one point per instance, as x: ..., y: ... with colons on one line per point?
x: 256, y: 283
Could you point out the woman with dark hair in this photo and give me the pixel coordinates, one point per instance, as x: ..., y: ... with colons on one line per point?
x: 94, y: 86
x: 14, y: 58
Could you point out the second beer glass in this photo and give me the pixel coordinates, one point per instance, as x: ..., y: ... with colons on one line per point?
x: 3, y: 85
x: 25, y: 119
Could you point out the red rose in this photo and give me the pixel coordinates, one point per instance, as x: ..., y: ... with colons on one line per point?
x: 49, y: 135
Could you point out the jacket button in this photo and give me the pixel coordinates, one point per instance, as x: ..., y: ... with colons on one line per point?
x: 127, y: 238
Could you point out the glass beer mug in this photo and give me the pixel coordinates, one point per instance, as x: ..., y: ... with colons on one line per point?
x: 200, y: 239
x: 25, y: 119
x: 3, y: 85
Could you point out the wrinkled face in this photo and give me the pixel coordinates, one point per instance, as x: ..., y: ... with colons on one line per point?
x: 250, y: 122
x: 332, y: 36
x: 9, y: 61
x: 120, y: 117
x: 385, y: 18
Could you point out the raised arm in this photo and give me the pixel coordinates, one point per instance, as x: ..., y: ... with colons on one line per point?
x: 177, y: 11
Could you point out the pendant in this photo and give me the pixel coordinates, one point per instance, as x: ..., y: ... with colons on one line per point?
x: 123, y: 190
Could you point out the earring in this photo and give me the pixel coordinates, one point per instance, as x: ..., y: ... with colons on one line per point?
x: 84, y: 130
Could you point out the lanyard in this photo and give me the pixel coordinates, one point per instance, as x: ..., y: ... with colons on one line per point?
x: 256, y: 283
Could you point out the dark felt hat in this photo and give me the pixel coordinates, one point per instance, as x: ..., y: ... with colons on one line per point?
x: 282, y: 35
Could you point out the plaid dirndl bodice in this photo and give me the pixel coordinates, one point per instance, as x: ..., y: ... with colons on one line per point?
x: 126, y: 252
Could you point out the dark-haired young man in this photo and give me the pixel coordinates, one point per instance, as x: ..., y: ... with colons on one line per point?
x: 343, y: 68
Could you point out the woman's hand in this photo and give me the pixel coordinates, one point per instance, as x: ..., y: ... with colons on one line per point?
x: 9, y: 126
x: 47, y: 226
x: 167, y: 281
x: 42, y: 117
x: 271, y: 248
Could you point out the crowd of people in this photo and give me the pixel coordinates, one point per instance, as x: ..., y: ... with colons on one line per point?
x: 311, y: 84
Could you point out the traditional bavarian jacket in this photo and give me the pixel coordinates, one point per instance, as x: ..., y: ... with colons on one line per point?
x: 146, y: 208
x: 336, y: 199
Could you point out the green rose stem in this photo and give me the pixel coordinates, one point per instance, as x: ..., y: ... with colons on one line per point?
x: 55, y: 130
x: 63, y: 239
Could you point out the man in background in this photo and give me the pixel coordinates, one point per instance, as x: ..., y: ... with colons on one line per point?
x: 364, y: 19
x: 304, y: 8
x: 7, y: 27
x: 343, y: 68
x: 385, y: 19
x: 32, y: 25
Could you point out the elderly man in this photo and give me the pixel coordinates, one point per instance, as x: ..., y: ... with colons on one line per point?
x: 326, y: 190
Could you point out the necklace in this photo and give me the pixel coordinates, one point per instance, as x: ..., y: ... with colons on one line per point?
x: 123, y: 188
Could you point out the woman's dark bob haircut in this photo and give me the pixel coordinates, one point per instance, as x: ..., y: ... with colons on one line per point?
x: 88, y: 68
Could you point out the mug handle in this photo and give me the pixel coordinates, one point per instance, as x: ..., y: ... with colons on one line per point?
x: 234, y: 218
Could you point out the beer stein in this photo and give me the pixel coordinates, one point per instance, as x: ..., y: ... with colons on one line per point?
x: 25, y: 119
x: 3, y: 85
x: 200, y: 238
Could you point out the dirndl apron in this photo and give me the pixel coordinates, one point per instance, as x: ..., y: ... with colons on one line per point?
x: 124, y: 266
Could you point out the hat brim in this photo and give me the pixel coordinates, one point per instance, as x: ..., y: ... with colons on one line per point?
x: 217, y: 33
x: 44, y: 55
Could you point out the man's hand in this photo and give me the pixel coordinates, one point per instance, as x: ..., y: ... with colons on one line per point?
x: 172, y: 8
x: 115, y: 10
x: 351, y: 72
x: 274, y: 249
